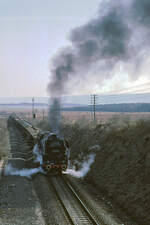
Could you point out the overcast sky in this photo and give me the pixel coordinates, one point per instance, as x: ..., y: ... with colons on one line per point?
x: 31, y: 32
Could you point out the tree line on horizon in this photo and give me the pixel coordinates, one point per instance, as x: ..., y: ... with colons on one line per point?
x: 122, y: 107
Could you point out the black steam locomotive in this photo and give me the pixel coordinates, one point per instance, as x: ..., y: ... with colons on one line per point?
x: 53, y: 152
x: 50, y: 151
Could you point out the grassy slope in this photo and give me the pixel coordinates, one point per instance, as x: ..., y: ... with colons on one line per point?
x: 122, y: 166
x: 122, y: 169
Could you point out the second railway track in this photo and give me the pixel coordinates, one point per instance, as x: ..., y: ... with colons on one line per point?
x: 21, y: 147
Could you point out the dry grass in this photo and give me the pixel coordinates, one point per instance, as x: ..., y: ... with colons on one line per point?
x: 103, y: 117
x: 4, y: 139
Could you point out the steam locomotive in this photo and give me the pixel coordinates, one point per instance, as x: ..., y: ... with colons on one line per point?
x: 54, y: 152
x: 50, y: 151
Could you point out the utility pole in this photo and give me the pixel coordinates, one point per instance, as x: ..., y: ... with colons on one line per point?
x: 93, y: 101
x: 33, y: 112
x: 43, y: 114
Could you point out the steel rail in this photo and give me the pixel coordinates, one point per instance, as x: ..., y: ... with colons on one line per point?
x: 81, y: 202
x: 26, y: 160
x: 61, y: 202
x: 78, y: 200
x: 23, y: 153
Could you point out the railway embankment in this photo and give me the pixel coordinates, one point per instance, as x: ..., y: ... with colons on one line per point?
x: 121, y: 170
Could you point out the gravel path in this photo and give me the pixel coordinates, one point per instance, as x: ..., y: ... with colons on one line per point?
x: 19, y: 204
x: 51, y: 208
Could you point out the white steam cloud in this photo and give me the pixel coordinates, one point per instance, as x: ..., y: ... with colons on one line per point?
x: 9, y: 170
x: 37, y: 154
x: 85, y: 168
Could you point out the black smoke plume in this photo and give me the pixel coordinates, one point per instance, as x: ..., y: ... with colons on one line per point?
x: 54, y: 115
x: 118, y: 35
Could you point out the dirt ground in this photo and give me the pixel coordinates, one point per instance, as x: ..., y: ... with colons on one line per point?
x: 19, y: 204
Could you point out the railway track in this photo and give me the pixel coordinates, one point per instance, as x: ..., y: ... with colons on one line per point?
x: 21, y: 147
x: 75, y: 209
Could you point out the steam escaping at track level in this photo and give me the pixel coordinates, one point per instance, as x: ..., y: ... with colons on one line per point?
x: 85, y: 167
x: 9, y: 170
x: 118, y: 37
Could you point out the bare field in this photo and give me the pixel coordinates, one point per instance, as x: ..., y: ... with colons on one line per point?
x: 104, y: 117
x: 23, y: 112
x: 73, y: 116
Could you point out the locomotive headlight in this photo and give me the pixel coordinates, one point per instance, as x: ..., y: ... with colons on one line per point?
x: 48, y: 167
